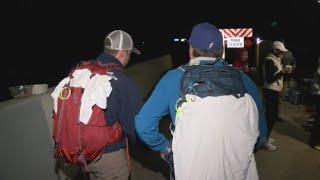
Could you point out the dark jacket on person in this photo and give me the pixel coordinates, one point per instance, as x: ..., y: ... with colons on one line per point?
x: 271, y: 74
x: 123, y: 103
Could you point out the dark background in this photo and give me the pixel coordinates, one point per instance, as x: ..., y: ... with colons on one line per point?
x: 43, y: 39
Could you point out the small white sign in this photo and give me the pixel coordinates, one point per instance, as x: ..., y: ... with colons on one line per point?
x: 235, y: 42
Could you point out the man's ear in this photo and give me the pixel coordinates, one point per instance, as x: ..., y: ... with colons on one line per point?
x: 190, y: 52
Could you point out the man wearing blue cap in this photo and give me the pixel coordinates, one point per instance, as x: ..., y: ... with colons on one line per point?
x: 215, y: 121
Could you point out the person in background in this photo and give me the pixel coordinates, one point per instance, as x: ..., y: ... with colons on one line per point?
x: 315, y: 131
x: 273, y: 72
x: 206, y: 46
x: 241, y: 60
x: 288, y: 60
x: 124, y: 103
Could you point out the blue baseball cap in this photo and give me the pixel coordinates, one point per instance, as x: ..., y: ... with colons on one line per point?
x: 206, y: 36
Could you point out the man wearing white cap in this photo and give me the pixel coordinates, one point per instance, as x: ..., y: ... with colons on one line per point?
x: 124, y: 103
x: 273, y: 85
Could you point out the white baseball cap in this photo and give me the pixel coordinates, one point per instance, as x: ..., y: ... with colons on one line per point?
x: 279, y: 45
x: 120, y: 40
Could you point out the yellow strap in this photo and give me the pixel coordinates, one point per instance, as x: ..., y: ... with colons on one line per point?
x: 61, y: 95
x: 180, y: 109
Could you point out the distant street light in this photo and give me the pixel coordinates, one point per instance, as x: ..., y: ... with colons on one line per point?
x: 183, y: 39
x: 258, y: 40
x: 180, y: 40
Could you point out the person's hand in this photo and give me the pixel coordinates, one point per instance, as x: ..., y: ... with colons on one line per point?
x: 286, y: 70
x: 246, y: 68
x: 167, y: 155
x: 253, y: 69
x: 289, y: 68
x: 162, y: 156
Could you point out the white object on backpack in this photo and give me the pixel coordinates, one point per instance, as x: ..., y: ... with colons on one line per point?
x: 214, y: 138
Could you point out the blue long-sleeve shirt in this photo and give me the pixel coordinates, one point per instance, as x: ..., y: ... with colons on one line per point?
x: 163, y: 100
x: 123, y: 103
x: 254, y: 93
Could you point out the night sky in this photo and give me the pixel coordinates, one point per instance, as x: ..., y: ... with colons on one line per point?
x: 58, y: 34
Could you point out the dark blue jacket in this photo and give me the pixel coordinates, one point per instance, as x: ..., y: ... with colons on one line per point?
x: 123, y: 103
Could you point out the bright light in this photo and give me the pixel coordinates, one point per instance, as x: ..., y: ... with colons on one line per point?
x: 258, y: 40
x: 176, y: 39
x: 183, y: 39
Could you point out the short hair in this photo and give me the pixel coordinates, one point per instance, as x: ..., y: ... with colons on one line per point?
x: 205, y: 53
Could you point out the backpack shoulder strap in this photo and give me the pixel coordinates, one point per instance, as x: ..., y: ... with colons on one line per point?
x: 110, y: 66
x: 183, y: 68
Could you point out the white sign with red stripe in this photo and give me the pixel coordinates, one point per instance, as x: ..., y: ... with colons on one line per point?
x: 240, y: 32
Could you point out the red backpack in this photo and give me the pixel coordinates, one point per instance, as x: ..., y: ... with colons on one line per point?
x: 75, y: 141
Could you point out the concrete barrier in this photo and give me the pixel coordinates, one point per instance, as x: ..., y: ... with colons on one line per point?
x: 26, y: 149
x: 147, y: 74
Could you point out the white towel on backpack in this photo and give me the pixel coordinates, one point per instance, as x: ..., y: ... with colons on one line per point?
x: 56, y: 92
x: 80, y: 78
x: 97, y: 89
x: 96, y: 92
x: 214, y: 139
